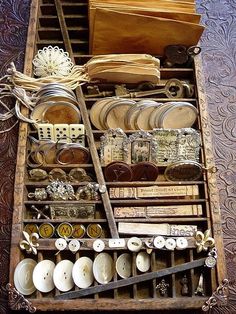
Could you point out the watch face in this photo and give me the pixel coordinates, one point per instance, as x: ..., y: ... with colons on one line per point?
x: 183, y: 171
x: 210, y: 261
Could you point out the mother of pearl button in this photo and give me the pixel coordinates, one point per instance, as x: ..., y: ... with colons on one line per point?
x: 143, y: 262
x: 170, y: 244
x: 134, y: 244
x: 181, y: 243
x: 82, y: 272
x: 62, y: 275
x: 43, y: 276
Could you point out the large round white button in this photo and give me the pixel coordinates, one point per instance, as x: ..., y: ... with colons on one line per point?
x: 134, y: 244
x: 60, y: 244
x: 82, y: 272
x: 143, y: 262
x: 159, y: 242
x: 181, y: 243
x: 74, y: 245
x: 43, y: 276
x: 98, y: 245
x: 23, y: 276
x: 62, y: 275
x: 170, y: 244
x: 103, y: 268
x: 123, y: 265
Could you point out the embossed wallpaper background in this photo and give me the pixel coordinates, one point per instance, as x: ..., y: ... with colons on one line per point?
x: 219, y: 64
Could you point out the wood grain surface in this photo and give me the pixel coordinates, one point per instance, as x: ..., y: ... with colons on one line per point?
x: 219, y: 65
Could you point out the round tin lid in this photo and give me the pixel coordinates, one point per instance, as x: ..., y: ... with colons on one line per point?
x: 103, y: 268
x: 95, y: 112
x: 62, y: 275
x: 23, y: 276
x: 82, y: 272
x: 124, y: 265
x: 43, y: 276
x: 62, y: 112
x: 186, y: 170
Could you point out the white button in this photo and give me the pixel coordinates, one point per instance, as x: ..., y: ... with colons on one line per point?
x: 82, y: 272
x: 60, y: 244
x: 123, y: 265
x: 23, y: 276
x: 98, y: 245
x: 170, y: 244
x: 159, y: 242
x: 103, y: 268
x: 43, y: 276
x: 62, y: 275
x: 143, y: 262
x: 134, y: 244
x: 181, y: 243
x: 74, y: 245
x: 116, y: 243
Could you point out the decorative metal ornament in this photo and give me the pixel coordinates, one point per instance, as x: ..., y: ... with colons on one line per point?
x: 52, y: 61
x: 39, y: 212
x: 204, y: 241
x: 58, y: 190
x: 40, y: 194
x: 111, y: 147
x: 17, y: 301
x: 212, y: 258
x: 30, y: 243
x: 184, y: 283
x: 219, y: 297
x: 38, y: 174
x: 162, y: 287
x: 140, y: 146
x: 72, y: 211
x: 88, y: 192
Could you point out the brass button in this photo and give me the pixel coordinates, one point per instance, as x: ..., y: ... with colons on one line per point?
x: 65, y: 229
x: 94, y: 230
x: 46, y: 230
x: 78, y: 231
x: 31, y: 228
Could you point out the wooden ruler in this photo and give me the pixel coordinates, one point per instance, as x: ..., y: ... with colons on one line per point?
x: 157, y: 229
x: 131, y: 281
x: 154, y: 191
x: 157, y: 211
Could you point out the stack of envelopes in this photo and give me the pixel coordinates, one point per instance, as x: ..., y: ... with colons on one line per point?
x: 136, y: 26
x: 125, y: 68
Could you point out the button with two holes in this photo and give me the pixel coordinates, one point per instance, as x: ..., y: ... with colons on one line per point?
x: 74, y: 245
x: 98, y: 245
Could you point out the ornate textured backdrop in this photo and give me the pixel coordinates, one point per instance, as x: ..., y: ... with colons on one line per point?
x: 219, y: 64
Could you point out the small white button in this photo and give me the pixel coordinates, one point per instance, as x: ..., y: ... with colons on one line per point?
x: 74, y: 245
x: 43, y: 276
x: 82, y: 272
x: 181, y: 243
x: 143, y: 262
x: 116, y: 243
x: 159, y: 242
x: 98, y: 245
x: 170, y: 244
x: 62, y: 275
x: 134, y: 244
x: 60, y: 244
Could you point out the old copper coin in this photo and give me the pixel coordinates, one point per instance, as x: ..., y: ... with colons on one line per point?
x: 118, y: 171
x: 145, y: 171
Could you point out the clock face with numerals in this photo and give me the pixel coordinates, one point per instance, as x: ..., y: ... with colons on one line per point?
x: 210, y: 261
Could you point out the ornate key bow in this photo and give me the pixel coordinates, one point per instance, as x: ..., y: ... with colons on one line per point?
x: 30, y: 243
x: 204, y: 241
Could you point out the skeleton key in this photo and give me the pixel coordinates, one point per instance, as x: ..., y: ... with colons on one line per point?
x: 93, y: 91
x: 173, y: 89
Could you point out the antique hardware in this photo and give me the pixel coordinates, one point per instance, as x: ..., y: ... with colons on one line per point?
x: 219, y: 297
x: 40, y: 212
x: 88, y: 192
x: 98, y: 245
x: 59, y: 190
x: 163, y: 287
x: 187, y: 170
x: 30, y: 243
x: 38, y: 174
x: 204, y: 241
x: 184, y: 283
x: 46, y: 230
x: 212, y: 258
x: 39, y: 194
x: 72, y: 211
x: 43, y: 276
x: 64, y: 230
x: 17, y: 301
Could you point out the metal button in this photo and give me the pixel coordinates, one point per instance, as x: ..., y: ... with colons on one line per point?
x: 94, y: 230
x: 65, y: 229
x: 46, y: 230
x: 78, y: 231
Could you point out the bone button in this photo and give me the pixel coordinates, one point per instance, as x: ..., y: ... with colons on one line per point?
x: 170, y: 244
x: 159, y: 242
x: 62, y: 275
x: 43, y: 276
x: 134, y: 244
